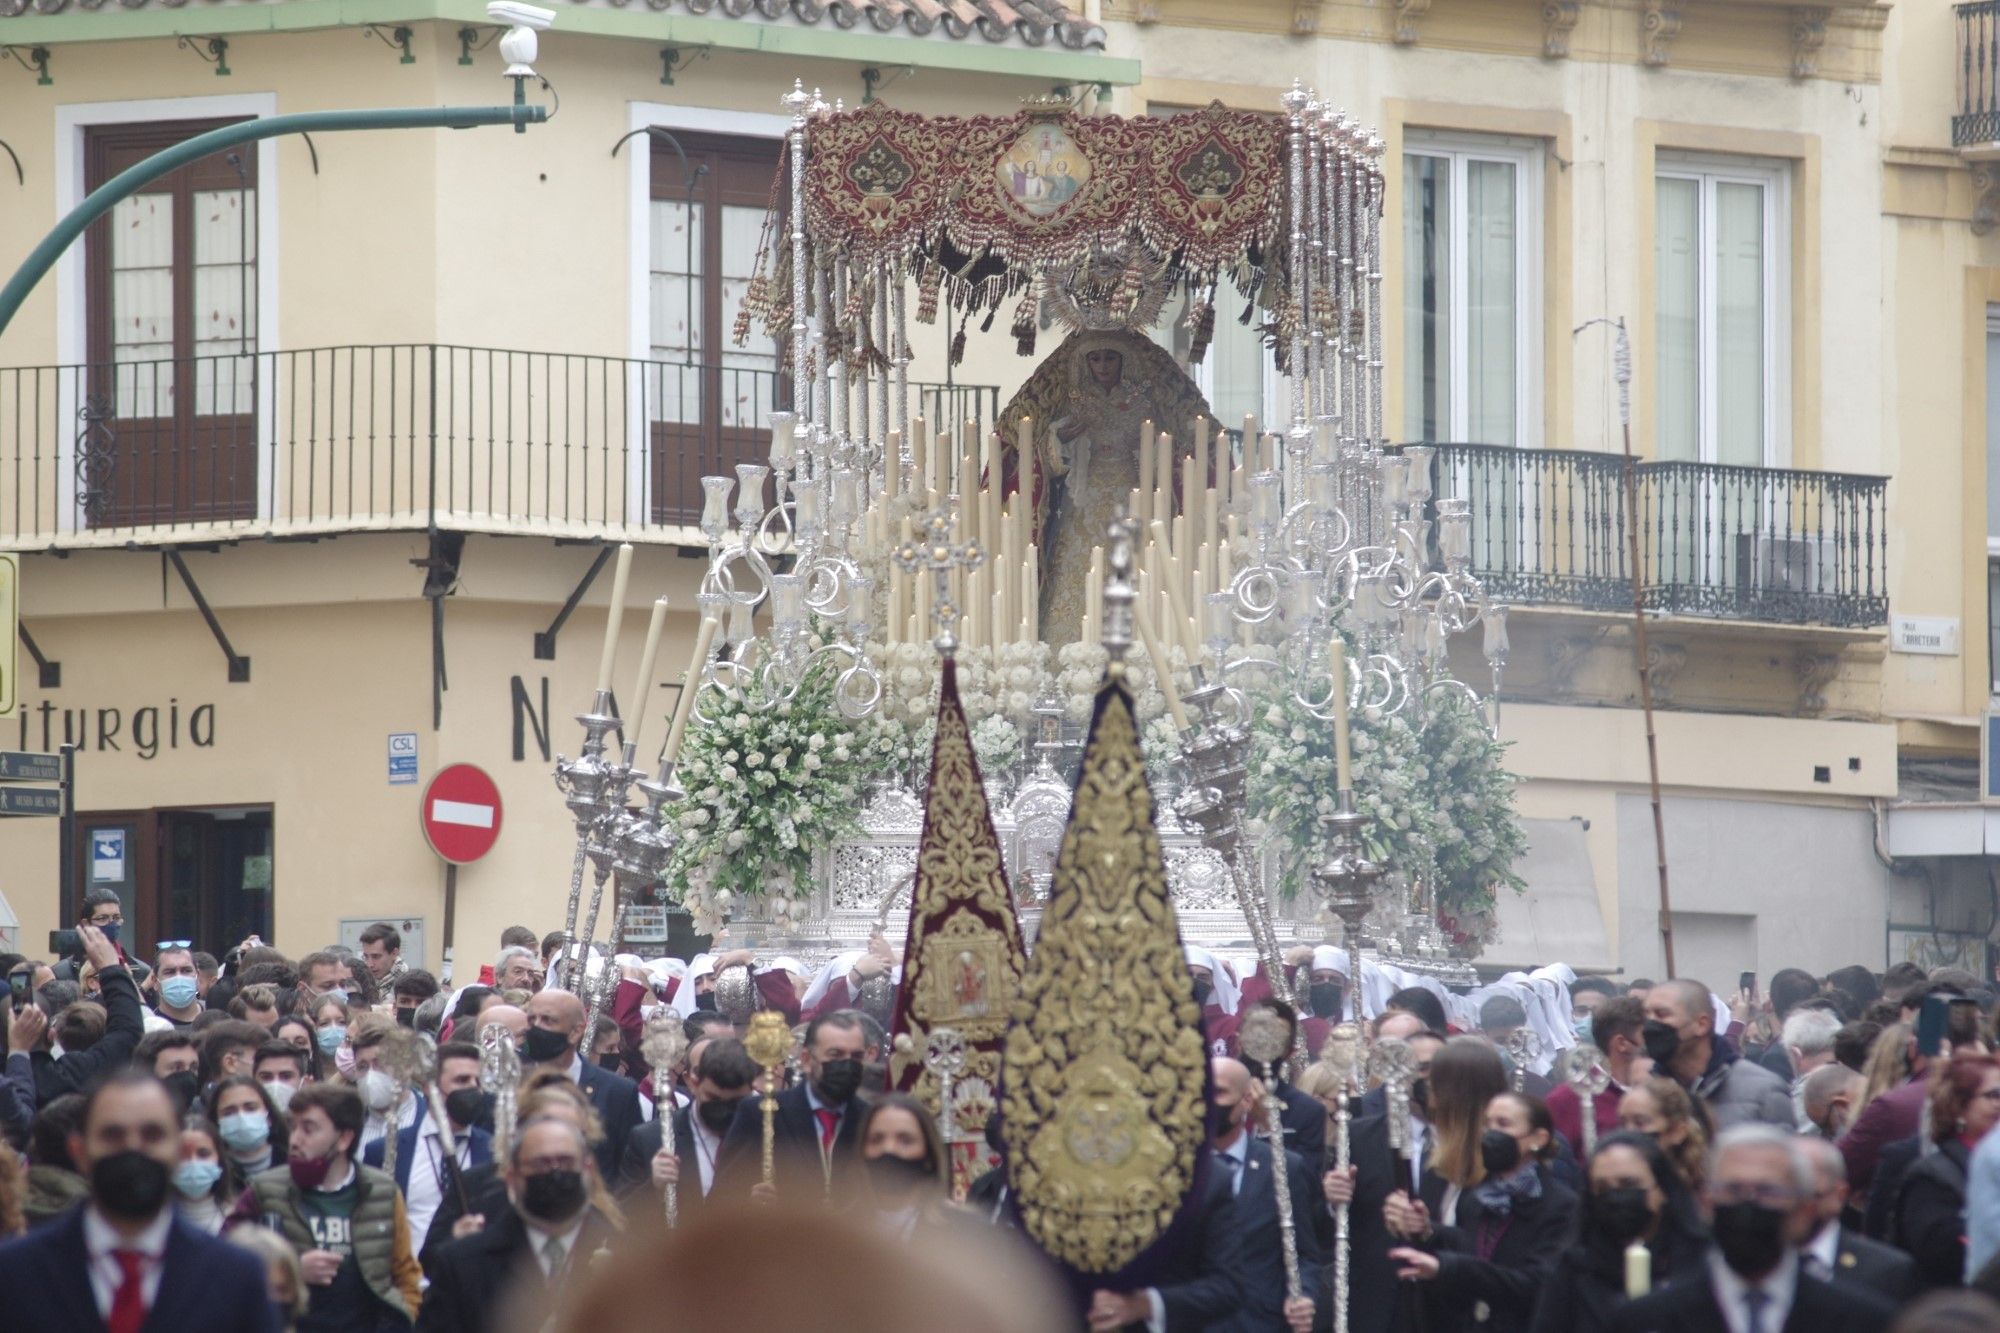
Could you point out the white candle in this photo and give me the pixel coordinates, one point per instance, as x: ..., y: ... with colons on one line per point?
x: 1638, y: 1270
x: 1146, y: 459
x: 621, y: 574
x: 1343, y: 758
x: 1093, y: 596
x: 1177, y: 599
x: 1200, y: 461
x: 934, y: 452
x: 1027, y: 463
x: 1031, y: 611
x: 1162, y: 670
x: 642, y: 689
x: 1002, y: 627
x: 892, y: 465
x: 684, y: 708
x: 1163, y: 474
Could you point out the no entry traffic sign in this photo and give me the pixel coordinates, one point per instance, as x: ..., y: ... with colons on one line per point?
x: 461, y: 813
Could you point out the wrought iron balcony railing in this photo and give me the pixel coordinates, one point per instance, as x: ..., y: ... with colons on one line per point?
x: 1736, y: 543
x: 1978, y: 117
x: 404, y: 436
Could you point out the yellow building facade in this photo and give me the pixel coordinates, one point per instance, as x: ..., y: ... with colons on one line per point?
x: 378, y: 401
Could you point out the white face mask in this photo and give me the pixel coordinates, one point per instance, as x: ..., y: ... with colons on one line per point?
x: 378, y: 1090
x: 281, y: 1094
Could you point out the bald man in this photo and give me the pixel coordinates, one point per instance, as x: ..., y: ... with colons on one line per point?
x: 556, y: 1023
x: 1831, y: 1252
x: 1680, y: 1037
x: 1238, y: 1149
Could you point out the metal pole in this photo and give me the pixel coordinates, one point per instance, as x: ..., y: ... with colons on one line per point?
x: 131, y: 180
x: 66, y: 831
x: 450, y: 918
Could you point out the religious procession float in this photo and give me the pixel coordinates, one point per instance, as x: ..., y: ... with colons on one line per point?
x: 1059, y: 701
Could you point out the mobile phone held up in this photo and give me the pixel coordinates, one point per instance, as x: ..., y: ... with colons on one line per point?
x: 1932, y: 1020
x: 1747, y: 984
x: 20, y: 989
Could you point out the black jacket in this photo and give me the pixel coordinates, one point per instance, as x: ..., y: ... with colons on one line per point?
x: 1689, y: 1306
x: 487, y: 1193
x: 1587, y: 1284
x: 1261, y: 1269
x: 1891, y: 1165
x: 795, y: 1149
x: 1377, y: 1301
x: 635, y: 1167
x: 617, y: 1101
x: 205, y: 1283
x: 1873, y: 1266
x: 79, y: 1070
x: 1204, y: 1282
x: 1930, y: 1216
x: 1304, y: 1120
x: 471, y: 1274
x: 1507, y: 1282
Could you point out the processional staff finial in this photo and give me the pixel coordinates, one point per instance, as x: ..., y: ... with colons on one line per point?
x: 933, y: 551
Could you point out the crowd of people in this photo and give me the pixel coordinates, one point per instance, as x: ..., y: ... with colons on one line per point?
x: 235, y: 1143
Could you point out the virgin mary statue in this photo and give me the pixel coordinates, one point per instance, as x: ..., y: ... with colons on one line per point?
x: 1088, y: 401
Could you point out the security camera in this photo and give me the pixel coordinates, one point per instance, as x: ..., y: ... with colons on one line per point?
x: 520, y: 16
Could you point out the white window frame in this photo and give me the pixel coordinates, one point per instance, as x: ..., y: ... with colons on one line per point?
x: 72, y: 121
x: 1527, y: 157
x: 639, y: 256
x: 1774, y: 176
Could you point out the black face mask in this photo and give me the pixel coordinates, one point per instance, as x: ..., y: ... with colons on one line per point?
x: 705, y: 1002
x: 130, y: 1185
x: 406, y: 1017
x: 1499, y: 1152
x: 541, y: 1045
x: 838, y: 1080
x: 1662, y: 1041
x: 1750, y: 1236
x: 717, y: 1116
x: 894, y: 1178
x: 469, y: 1107
x: 611, y: 1062
x: 1221, y: 1119
x: 1202, y: 990
x: 1326, y: 999
x: 1420, y: 1095
x: 184, y: 1085
x: 553, y: 1196
x: 1620, y: 1215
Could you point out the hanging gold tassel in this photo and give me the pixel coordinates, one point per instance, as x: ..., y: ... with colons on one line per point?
x: 1023, y: 327
x: 927, y: 294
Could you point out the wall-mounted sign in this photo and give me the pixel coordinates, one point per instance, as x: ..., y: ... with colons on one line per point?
x: 1936, y: 636
x: 402, y: 759
x: 107, y: 856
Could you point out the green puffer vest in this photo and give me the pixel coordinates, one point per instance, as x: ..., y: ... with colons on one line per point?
x: 374, y: 1224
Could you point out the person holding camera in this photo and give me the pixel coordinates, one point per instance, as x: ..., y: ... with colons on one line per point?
x: 80, y: 1066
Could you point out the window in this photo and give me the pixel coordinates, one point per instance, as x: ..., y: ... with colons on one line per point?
x: 1721, y: 264
x: 710, y: 400
x: 203, y: 875
x: 171, y: 290
x: 1471, y: 289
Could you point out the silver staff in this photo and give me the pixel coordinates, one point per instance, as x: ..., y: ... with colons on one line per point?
x: 1264, y: 1042
x: 500, y: 1074
x: 1392, y: 1064
x: 663, y: 1045
x: 408, y: 1061
x: 1583, y: 1069
x: 1343, y: 1051
x: 944, y: 1058
x: 1523, y: 1045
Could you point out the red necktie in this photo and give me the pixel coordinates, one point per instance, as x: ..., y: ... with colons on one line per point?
x: 829, y: 1122
x: 128, y: 1303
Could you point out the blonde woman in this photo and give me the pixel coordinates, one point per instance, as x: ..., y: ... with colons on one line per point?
x: 1660, y: 1109
x: 281, y: 1270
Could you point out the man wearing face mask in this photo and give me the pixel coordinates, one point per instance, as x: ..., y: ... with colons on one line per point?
x: 724, y: 1076
x: 175, y: 1060
x: 426, y: 1171
x: 1245, y: 1162
x: 1215, y: 991
x: 1372, y: 1293
x: 346, y: 1220
x: 1832, y: 1252
x: 557, y: 1022
x: 818, y: 1120
x: 1759, y: 1197
x: 1681, y: 1039
x: 550, y: 1233
x: 125, y: 1260
x: 180, y: 989
x: 388, y: 1112
x: 103, y: 912
x: 1617, y: 1026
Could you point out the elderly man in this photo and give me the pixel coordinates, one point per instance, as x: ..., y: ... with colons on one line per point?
x: 1760, y: 1198
x: 1680, y: 1037
x: 1833, y: 1253
x: 1807, y: 1039
x: 517, y: 969
x: 1828, y: 1097
x: 557, y: 1023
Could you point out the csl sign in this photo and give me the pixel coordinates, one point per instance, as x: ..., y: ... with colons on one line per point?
x: 461, y: 813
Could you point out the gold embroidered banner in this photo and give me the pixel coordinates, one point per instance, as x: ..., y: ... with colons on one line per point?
x: 1105, y: 1074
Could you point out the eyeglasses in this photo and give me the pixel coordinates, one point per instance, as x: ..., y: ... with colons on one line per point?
x: 117, y: 920
x: 1766, y: 1193
x: 164, y: 945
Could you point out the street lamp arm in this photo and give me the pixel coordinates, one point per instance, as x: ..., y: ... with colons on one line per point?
x: 129, y: 181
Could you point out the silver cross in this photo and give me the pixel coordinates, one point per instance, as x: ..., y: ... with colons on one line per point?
x: 932, y: 550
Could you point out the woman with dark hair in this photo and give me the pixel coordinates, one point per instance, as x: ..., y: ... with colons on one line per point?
x: 1930, y: 1203
x: 199, y: 1187
x: 463, y: 1021
x: 254, y: 1132
x: 905, y: 1163
x: 1486, y: 1270
x: 1662, y: 1110
x: 298, y: 1031
x: 1634, y: 1193
x: 1464, y: 1076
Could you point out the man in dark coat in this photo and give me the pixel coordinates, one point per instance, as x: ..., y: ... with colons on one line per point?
x: 92, y: 1269
x: 818, y: 1125
x: 557, y: 1022
x: 1832, y: 1252
x: 1759, y: 1198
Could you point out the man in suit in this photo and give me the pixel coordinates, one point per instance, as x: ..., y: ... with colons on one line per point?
x: 1246, y: 1165
x: 425, y: 1171
x: 724, y: 1074
x: 818, y: 1122
x: 124, y: 1262
x: 557, y: 1025
x: 1834, y: 1254
x: 1376, y: 1299
x: 549, y: 1234
x: 1303, y: 1118
x: 1759, y: 1197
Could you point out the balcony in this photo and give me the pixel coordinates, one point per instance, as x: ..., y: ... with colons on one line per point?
x: 1772, y: 546
x: 1976, y: 126
x: 404, y: 437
